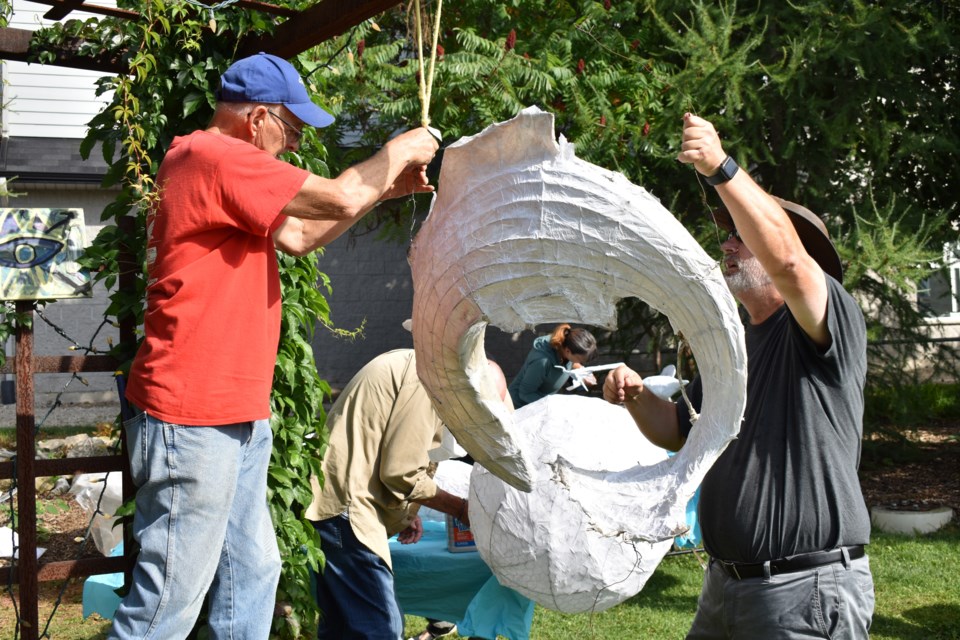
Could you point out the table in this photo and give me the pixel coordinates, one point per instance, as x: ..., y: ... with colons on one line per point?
x: 99, y: 592
x: 432, y: 582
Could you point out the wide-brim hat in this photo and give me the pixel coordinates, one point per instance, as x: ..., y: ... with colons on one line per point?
x: 271, y: 80
x: 813, y: 234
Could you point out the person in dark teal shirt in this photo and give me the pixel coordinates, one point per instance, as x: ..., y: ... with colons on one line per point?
x: 539, y: 377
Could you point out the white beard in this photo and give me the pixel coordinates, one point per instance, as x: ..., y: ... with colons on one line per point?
x: 750, y: 275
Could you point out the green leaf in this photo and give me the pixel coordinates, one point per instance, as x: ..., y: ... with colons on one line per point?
x: 192, y: 101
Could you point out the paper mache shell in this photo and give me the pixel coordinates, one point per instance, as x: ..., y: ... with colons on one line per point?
x: 521, y: 233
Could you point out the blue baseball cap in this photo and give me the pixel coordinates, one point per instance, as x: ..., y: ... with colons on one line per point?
x: 267, y: 78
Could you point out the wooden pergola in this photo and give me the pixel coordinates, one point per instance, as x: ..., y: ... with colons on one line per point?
x: 299, y: 31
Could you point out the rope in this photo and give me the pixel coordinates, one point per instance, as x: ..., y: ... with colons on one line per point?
x: 426, y: 79
x: 433, y: 59
x: 426, y: 86
x: 424, y: 105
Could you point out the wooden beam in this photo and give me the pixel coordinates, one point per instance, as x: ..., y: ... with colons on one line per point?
x: 303, y: 30
x: 16, y: 44
x: 26, y: 477
x: 62, y: 8
x: 320, y: 22
x: 265, y: 7
x: 62, y: 569
x: 68, y: 364
x: 67, y: 466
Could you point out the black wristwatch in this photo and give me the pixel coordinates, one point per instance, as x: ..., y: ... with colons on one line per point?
x: 728, y: 169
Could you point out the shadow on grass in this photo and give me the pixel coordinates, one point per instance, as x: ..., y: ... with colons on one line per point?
x: 663, y: 591
x: 933, y: 622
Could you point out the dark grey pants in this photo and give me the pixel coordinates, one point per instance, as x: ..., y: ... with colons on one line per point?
x: 834, y: 601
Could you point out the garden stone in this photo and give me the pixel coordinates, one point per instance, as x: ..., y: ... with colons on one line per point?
x: 86, y: 448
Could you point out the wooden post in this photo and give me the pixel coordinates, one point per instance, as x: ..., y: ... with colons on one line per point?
x: 26, y: 482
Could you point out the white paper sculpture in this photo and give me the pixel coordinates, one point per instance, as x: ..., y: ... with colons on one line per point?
x: 525, y: 233
x: 583, y: 570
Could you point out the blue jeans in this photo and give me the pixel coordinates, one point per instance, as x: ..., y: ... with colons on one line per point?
x: 203, y: 524
x: 355, y: 590
x: 834, y: 601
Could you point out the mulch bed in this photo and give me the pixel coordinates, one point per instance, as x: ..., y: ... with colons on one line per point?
x: 919, y: 475
x: 61, y: 534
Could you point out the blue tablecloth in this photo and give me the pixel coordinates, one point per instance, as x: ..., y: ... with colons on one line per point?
x: 432, y: 582
x: 98, y: 591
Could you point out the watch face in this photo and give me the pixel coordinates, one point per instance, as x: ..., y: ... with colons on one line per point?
x: 728, y: 169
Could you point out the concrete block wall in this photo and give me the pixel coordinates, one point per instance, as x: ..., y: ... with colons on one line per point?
x: 371, y: 280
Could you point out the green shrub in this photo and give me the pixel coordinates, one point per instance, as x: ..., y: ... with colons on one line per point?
x: 894, y: 408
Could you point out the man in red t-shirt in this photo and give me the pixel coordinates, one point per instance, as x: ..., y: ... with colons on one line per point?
x: 200, y: 446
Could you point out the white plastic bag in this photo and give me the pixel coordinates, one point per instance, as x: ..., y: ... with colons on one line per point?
x: 87, y: 489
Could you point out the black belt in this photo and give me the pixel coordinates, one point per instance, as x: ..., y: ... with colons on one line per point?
x: 744, y: 570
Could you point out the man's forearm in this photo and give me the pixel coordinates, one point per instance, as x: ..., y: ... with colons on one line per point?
x: 656, y: 418
x: 447, y: 503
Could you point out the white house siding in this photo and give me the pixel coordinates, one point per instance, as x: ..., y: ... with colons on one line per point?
x: 42, y: 101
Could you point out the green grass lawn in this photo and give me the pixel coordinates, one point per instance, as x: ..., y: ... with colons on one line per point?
x: 917, y: 582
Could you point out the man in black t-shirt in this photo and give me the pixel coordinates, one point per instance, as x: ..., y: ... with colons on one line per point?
x: 782, y: 513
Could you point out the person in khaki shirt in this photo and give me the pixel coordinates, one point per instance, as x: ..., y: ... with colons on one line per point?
x: 375, y: 478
